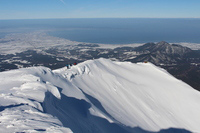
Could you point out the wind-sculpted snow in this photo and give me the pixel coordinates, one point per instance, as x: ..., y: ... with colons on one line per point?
x: 138, y: 94
x: 21, y: 94
x: 97, y: 96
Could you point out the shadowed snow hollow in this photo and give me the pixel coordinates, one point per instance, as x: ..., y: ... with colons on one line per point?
x: 97, y: 96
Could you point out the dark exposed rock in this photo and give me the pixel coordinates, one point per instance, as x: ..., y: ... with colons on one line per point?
x: 161, y: 52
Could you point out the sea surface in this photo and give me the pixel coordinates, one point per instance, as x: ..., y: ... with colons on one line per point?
x: 110, y: 30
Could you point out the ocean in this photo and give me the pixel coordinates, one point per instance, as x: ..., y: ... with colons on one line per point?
x: 110, y: 30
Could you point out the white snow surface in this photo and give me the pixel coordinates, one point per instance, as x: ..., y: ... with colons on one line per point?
x: 96, y: 91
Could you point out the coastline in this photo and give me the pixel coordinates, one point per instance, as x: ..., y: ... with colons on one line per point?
x: 18, y: 42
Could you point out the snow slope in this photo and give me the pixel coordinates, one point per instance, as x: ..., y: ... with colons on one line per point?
x: 97, y: 96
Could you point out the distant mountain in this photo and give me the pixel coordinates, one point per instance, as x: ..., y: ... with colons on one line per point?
x: 97, y: 96
x: 164, y: 47
x: 162, y: 52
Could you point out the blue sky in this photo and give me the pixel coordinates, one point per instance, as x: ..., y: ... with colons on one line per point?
x: 34, y: 9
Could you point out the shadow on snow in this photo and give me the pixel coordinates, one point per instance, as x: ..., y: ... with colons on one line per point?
x: 74, y: 114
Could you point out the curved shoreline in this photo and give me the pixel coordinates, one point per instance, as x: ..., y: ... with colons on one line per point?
x: 18, y: 42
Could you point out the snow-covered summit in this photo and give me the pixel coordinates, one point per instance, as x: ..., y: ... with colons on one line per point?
x: 97, y: 96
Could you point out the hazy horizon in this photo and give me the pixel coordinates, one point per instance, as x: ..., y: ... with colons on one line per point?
x: 110, y: 30
x: 107, y: 18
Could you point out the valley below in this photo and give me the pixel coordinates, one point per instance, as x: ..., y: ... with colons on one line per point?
x: 39, y: 49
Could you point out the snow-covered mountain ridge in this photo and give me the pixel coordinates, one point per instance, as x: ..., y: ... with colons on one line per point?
x: 97, y: 96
